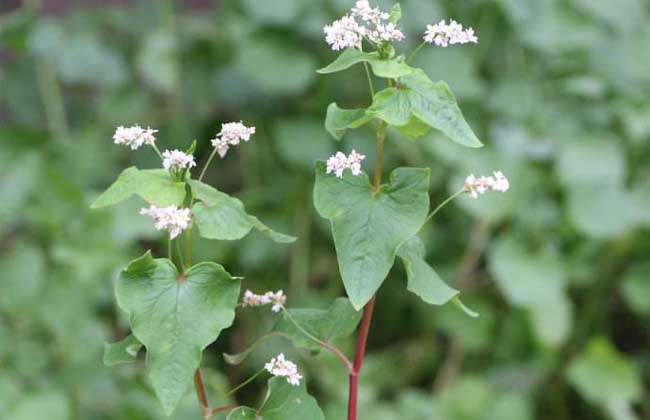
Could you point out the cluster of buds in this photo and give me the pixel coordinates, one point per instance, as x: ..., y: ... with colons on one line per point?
x: 475, y: 186
x: 134, y: 137
x: 362, y: 21
x: 444, y: 35
x: 279, y: 366
x: 339, y: 162
x: 277, y: 299
x: 230, y: 135
x: 172, y: 219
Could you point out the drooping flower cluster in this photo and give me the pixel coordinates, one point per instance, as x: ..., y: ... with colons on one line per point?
x: 362, y: 21
x: 230, y: 135
x: 134, y: 137
x: 339, y: 162
x: 444, y: 35
x: 177, y: 160
x: 277, y: 299
x: 173, y: 219
x: 279, y: 366
x: 475, y: 186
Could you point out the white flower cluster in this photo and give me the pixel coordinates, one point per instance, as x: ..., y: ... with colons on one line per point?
x: 475, y: 186
x: 279, y: 366
x: 277, y: 299
x: 348, y: 32
x: 339, y: 162
x: 444, y: 35
x: 230, y: 135
x: 171, y: 218
x: 177, y: 160
x: 134, y: 137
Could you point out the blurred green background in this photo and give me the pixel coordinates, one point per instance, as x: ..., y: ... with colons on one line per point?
x: 559, y: 267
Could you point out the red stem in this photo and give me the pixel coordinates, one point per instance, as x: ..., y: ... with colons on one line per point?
x: 359, y: 352
x: 200, y: 393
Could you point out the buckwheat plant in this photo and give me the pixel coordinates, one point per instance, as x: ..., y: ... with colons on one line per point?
x: 373, y: 222
x: 177, y: 309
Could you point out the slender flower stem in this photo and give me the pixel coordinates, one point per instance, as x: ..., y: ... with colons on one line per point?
x: 370, y: 85
x: 180, y: 254
x: 415, y: 52
x: 359, y: 352
x: 381, y: 137
x: 246, y: 382
x: 155, y: 148
x: 205, y: 168
x: 201, y: 395
x: 169, y: 248
x: 444, y: 203
x: 320, y: 342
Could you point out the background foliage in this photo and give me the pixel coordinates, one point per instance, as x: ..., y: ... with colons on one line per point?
x: 558, y: 90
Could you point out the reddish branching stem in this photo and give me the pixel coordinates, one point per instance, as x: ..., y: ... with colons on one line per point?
x: 359, y: 353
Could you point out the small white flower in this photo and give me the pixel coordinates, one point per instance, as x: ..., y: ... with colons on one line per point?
x: 476, y: 186
x: 444, y: 35
x: 177, y: 160
x: 344, y: 33
x: 279, y: 366
x: 363, y: 10
x: 339, y: 162
x: 171, y: 218
x: 230, y: 135
x: 134, y: 137
x: 277, y: 299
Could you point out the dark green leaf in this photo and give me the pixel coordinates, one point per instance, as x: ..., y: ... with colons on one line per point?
x: 155, y: 186
x: 220, y: 216
x: 369, y: 228
x: 422, y: 279
x: 388, y: 68
x: 432, y: 103
x: 338, y: 321
x: 175, y: 317
x: 123, y: 351
x: 338, y: 120
x: 243, y: 413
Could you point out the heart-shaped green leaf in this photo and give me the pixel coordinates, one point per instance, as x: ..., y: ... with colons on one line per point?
x: 369, y: 228
x: 220, y: 216
x: 123, y: 351
x: 283, y: 402
x: 175, y: 316
x: 338, y: 120
x: 422, y: 279
x: 389, y: 68
x: 432, y: 103
x: 155, y: 186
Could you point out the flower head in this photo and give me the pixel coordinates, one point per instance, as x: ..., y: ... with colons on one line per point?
x: 134, y: 137
x: 476, y: 186
x: 444, y: 35
x: 339, y: 162
x: 177, y: 160
x: 279, y: 366
x: 171, y: 218
x: 230, y: 135
x: 362, y: 21
x: 277, y: 299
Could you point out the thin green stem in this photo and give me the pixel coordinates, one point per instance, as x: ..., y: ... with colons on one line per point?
x: 246, y: 382
x: 169, y: 248
x: 318, y: 341
x: 415, y: 52
x: 444, y: 203
x: 157, y: 151
x: 180, y: 254
x: 381, y: 137
x: 370, y: 84
x: 205, y: 168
